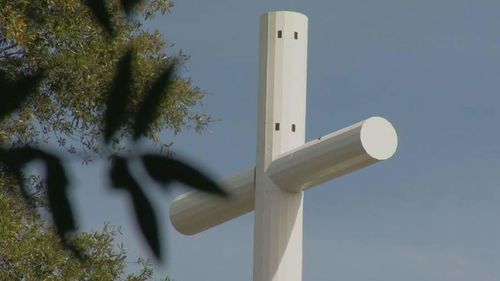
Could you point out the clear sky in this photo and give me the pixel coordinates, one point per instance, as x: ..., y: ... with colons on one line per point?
x: 431, y: 67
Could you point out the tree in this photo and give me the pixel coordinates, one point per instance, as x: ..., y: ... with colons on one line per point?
x: 79, y: 59
x: 30, y: 249
x: 66, y: 79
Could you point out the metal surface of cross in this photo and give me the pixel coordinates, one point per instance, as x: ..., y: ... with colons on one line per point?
x: 286, y: 166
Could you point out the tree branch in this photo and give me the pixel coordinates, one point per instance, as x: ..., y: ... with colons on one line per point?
x: 4, y: 56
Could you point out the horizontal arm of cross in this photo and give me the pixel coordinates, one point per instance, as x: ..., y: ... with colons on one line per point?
x: 316, y: 162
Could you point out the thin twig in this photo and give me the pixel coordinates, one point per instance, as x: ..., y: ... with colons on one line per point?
x: 8, y: 48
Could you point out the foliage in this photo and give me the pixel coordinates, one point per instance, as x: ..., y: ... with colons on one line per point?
x: 79, y: 58
x: 30, y: 249
x: 58, y: 78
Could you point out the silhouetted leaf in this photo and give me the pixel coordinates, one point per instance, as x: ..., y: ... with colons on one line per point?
x: 119, y: 174
x: 166, y: 169
x: 148, y: 111
x: 100, y: 11
x: 145, y: 215
x: 14, y: 92
x: 57, y: 184
x: 129, y: 5
x: 116, y: 105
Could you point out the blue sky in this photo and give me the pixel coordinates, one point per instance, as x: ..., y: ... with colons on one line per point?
x: 430, y: 67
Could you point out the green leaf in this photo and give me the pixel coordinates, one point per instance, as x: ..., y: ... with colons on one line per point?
x: 144, y: 213
x: 149, y: 109
x: 165, y: 169
x: 98, y: 8
x: 116, y: 104
x: 15, y: 92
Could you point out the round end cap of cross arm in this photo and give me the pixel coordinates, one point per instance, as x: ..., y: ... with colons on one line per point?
x: 379, y: 138
x: 289, y: 13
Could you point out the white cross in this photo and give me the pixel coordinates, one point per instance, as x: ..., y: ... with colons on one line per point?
x: 285, y: 165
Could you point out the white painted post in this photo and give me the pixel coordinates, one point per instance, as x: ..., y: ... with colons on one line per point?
x: 281, y: 127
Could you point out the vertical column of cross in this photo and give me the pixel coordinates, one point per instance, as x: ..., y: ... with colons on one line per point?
x: 281, y: 127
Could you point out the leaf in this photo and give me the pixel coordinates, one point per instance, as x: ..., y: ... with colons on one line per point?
x: 119, y: 174
x: 15, y: 92
x: 144, y: 213
x: 165, y: 169
x: 57, y: 184
x: 62, y: 213
x: 149, y: 110
x: 129, y: 5
x: 116, y: 104
x: 147, y: 220
x: 100, y: 11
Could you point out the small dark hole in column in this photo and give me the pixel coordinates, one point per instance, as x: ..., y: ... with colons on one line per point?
x: 296, y: 35
x: 280, y: 33
x: 277, y: 126
x: 293, y: 127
